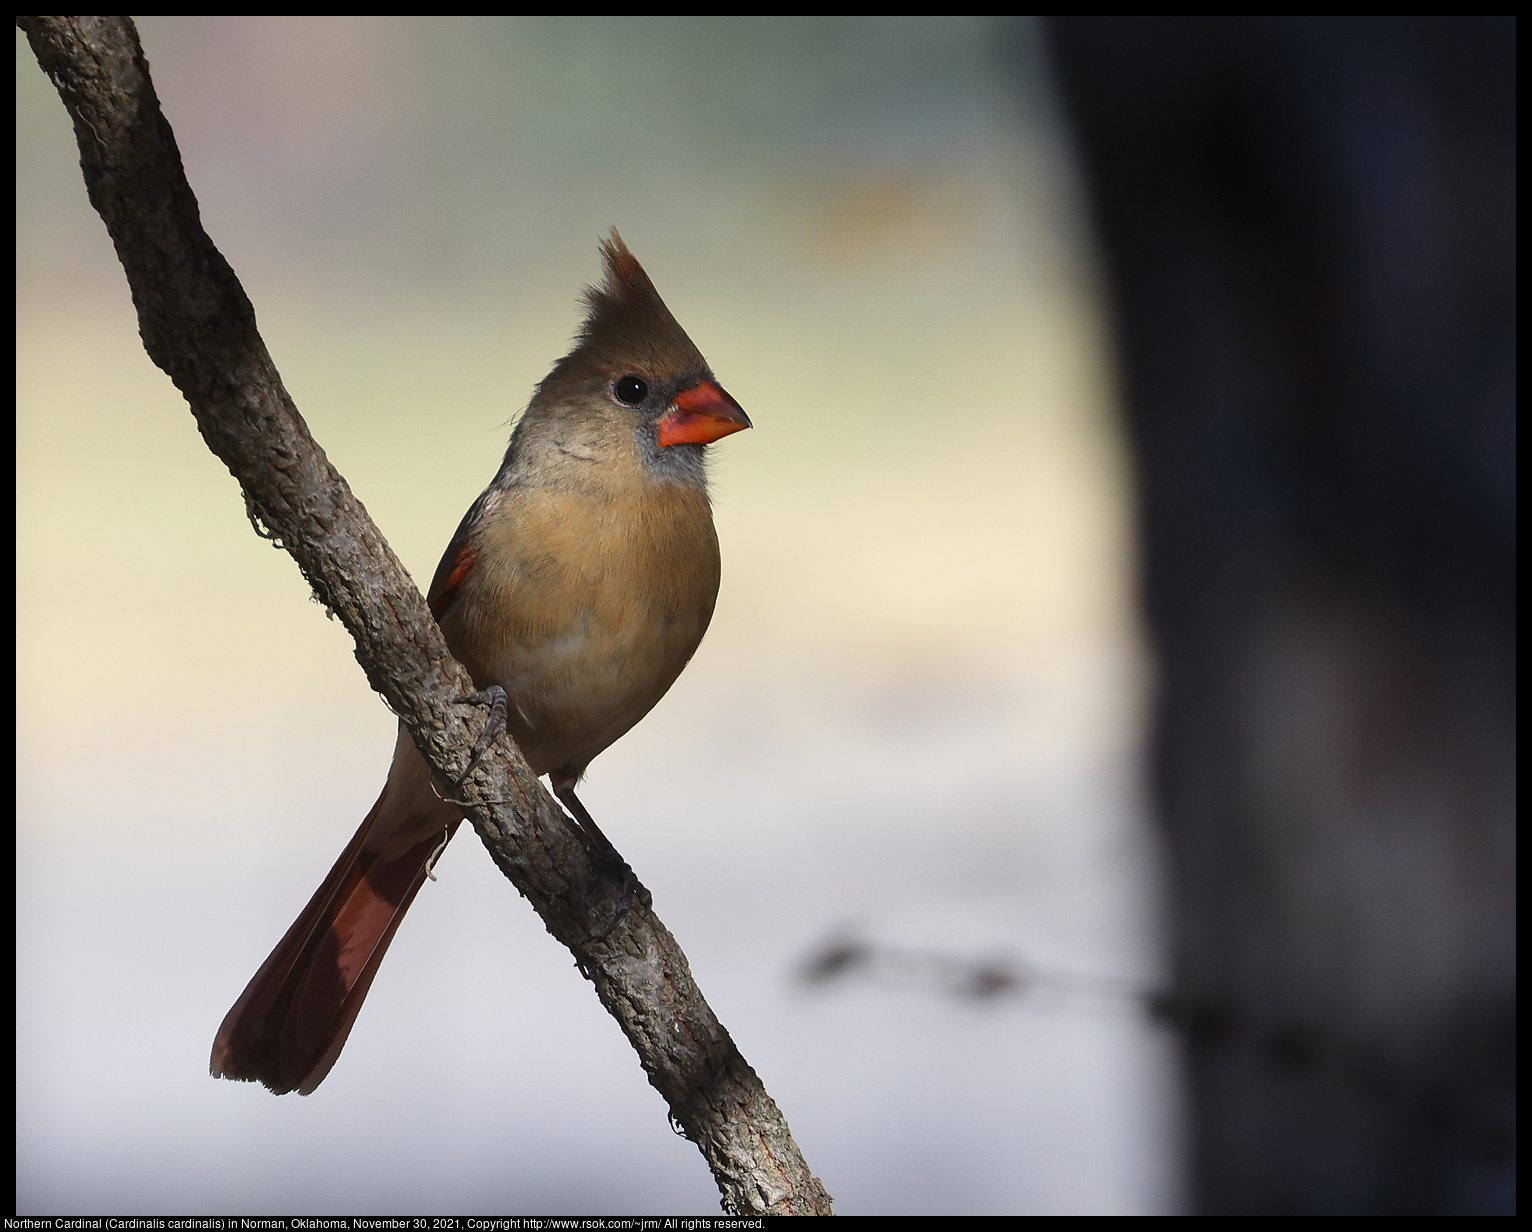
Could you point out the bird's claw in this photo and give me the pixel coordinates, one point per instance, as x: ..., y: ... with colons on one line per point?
x: 632, y: 888
x: 602, y: 854
x: 496, y: 725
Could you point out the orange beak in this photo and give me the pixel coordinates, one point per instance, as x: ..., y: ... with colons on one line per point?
x: 700, y: 415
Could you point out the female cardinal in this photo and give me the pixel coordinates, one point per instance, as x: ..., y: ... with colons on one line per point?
x: 580, y: 583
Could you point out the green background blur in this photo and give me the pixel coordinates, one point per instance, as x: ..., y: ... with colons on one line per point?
x: 916, y: 713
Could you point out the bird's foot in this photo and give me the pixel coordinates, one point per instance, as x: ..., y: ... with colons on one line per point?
x: 632, y: 888
x: 496, y: 725
x: 602, y: 853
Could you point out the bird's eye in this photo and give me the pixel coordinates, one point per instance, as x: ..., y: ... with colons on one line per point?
x: 631, y: 389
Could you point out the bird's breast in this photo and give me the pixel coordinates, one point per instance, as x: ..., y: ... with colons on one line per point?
x: 585, y: 607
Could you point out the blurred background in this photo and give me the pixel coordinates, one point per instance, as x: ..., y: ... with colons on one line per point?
x: 1309, y: 232
x: 916, y: 720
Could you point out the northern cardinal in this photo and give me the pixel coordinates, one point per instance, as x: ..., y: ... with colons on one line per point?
x: 580, y: 582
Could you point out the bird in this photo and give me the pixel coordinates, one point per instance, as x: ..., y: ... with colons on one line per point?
x: 576, y: 588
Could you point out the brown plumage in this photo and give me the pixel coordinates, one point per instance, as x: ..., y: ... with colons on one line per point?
x: 580, y: 582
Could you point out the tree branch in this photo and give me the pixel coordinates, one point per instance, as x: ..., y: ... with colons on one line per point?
x: 198, y: 325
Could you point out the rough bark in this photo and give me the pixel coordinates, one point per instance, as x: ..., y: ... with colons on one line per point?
x: 199, y: 327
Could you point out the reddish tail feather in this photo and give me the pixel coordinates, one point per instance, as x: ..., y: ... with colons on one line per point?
x: 290, y: 1023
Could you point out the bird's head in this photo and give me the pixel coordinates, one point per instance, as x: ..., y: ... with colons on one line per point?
x: 635, y: 374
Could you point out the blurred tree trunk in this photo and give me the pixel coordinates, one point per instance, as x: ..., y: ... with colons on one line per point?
x: 1309, y: 234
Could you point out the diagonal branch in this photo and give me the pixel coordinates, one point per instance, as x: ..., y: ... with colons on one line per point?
x: 198, y: 325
